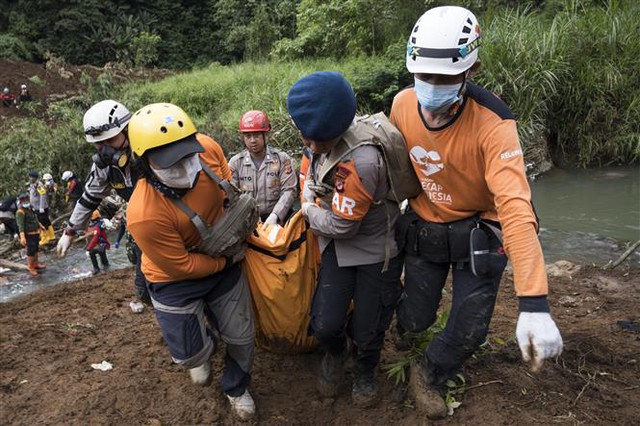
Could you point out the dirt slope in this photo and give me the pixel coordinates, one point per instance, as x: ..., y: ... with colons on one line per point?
x: 49, y: 339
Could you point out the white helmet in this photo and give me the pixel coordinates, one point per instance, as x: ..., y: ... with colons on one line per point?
x: 104, y: 120
x: 66, y: 175
x: 23, y: 86
x: 444, y: 41
x: 47, y: 176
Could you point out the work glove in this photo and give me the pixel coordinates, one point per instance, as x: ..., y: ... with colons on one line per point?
x: 87, y: 253
x: 117, y: 244
x: 107, y: 224
x: 23, y: 239
x: 308, y: 196
x: 63, y: 244
x: 272, y: 219
x: 41, y: 211
x: 538, y: 338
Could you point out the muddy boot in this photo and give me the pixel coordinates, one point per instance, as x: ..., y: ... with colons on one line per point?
x: 31, y: 265
x: 427, y: 398
x: 331, y: 374
x: 364, y: 392
x: 37, y: 264
x: 243, y: 406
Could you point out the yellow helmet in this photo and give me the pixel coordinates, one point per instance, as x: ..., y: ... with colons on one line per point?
x: 156, y: 125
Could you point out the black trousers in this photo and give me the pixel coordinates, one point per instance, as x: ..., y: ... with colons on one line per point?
x: 10, y: 225
x: 471, y: 310
x: 374, y: 295
x: 43, y: 218
x: 94, y: 253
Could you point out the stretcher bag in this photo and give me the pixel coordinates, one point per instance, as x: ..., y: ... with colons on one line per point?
x: 281, y: 265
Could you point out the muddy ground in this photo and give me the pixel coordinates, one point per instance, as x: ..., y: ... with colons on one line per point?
x: 49, y: 339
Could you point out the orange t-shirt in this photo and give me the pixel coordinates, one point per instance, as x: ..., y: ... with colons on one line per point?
x: 164, y: 232
x: 474, y: 164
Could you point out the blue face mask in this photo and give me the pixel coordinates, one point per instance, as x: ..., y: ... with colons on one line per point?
x: 436, y: 98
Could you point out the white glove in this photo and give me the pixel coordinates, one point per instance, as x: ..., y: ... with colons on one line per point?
x: 308, y: 196
x: 538, y: 337
x: 86, y: 253
x: 107, y: 224
x: 41, y: 210
x: 63, y: 244
x: 272, y: 219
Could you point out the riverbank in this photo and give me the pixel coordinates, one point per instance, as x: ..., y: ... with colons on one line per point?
x: 50, y: 338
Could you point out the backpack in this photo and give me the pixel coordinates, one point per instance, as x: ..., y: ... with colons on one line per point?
x: 377, y: 130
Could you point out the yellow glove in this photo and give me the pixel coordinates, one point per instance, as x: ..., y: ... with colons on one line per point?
x: 23, y: 239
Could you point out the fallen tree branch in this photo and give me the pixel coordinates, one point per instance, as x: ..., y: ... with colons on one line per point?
x: 12, y: 265
x: 483, y: 384
x: 624, y: 255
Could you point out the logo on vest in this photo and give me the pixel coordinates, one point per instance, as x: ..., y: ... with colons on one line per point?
x: 343, y: 204
x: 428, y: 162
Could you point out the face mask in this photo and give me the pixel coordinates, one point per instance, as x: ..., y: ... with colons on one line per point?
x: 26, y: 205
x: 436, y: 98
x: 181, y: 175
x: 109, y: 156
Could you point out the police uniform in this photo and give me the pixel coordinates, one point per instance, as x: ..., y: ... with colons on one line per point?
x: 355, y: 231
x: 273, y: 184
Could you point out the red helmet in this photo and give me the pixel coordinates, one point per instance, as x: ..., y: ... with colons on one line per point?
x: 254, y: 121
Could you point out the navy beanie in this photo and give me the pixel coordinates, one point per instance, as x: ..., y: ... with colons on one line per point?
x: 322, y: 105
x: 33, y: 174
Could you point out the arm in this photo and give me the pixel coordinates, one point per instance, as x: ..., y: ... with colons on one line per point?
x: 94, y: 238
x: 96, y: 188
x: 287, y: 187
x: 161, y: 243
x: 355, y: 182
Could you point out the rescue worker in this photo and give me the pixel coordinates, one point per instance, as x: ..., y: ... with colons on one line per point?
x: 29, y: 229
x: 74, y: 188
x: 264, y: 172
x: 178, y: 164
x: 8, y: 99
x: 25, y: 95
x: 8, y: 208
x: 354, y: 223
x: 474, y: 211
x: 105, y: 126
x: 39, y: 198
x: 98, y: 242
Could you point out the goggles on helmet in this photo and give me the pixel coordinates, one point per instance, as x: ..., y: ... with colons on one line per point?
x: 98, y: 130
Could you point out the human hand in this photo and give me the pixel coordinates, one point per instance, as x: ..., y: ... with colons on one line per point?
x: 63, y: 244
x: 23, y: 239
x: 308, y: 196
x: 107, y: 223
x: 272, y: 219
x: 41, y: 210
x: 538, y: 338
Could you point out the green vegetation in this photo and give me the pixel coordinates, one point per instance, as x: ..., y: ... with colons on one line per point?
x: 568, y: 69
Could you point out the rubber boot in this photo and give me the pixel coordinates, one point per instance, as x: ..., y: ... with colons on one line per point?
x: 31, y: 264
x: 37, y: 264
x: 331, y: 374
x: 44, y: 238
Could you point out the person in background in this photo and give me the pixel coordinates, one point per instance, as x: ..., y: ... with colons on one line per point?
x: 29, y: 229
x: 25, y: 95
x: 8, y: 99
x: 74, y: 188
x: 98, y: 242
x: 8, y: 208
x: 105, y: 126
x: 166, y: 215
x: 475, y: 209
x: 39, y: 198
x: 360, y: 266
x: 263, y: 171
